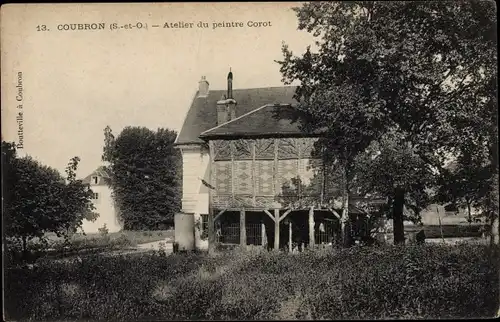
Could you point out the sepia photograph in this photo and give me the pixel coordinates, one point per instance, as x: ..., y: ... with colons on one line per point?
x: 324, y: 160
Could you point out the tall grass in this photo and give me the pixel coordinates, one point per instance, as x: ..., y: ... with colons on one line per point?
x: 424, y: 281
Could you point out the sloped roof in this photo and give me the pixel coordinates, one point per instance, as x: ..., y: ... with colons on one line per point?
x: 268, y: 120
x: 202, y: 114
x: 100, y: 172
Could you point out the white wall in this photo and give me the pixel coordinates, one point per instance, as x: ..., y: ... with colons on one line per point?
x: 195, y: 195
x: 430, y: 215
x: 195, y: 166
x: 107, y: 214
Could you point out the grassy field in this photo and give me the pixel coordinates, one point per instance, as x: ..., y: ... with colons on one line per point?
x: 58, y: 247
x: 424, y: 281
x: 449, y: 231
x: 135, y: 237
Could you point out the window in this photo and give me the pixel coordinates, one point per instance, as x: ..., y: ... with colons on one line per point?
x: 451, y: 208
x: 204, y: 222
x: 204, y: 225
x: 95, y: 196
x: 95, y: 180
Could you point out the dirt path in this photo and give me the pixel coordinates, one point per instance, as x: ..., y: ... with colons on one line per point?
x: 166, y: 244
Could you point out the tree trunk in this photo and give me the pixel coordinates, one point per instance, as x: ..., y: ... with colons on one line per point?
x: 397, y: 216
x: 496, y: 240
x: 469, y: 211
x: 494, y: 193
x: 494, y: 235
x: 345, y: 233
x: 495, y: 226
x: 345, y: 210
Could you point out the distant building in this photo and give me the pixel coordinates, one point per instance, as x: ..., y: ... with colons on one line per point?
x: 103, y: 202
x: 448, y: 215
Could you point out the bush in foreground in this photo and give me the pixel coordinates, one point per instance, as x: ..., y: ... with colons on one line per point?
x: 428, y: 281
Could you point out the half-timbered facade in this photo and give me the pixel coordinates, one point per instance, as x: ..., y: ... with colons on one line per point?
x: 251, y: 175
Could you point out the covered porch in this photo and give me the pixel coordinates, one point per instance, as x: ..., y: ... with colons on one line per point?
x: 278, y: 229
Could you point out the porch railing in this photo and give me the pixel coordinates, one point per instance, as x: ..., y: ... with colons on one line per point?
x: 230, y: 234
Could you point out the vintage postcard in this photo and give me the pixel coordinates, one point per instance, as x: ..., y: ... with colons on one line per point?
x: 250, y: 161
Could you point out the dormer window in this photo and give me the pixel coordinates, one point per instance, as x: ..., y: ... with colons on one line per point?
x: 95, y: 180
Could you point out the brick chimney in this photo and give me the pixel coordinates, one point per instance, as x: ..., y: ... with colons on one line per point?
x: 226, y: 106
x: 203, y: 87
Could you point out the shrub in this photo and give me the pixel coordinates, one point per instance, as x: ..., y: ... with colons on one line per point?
x: 103, y: 231
x: 162, y: 249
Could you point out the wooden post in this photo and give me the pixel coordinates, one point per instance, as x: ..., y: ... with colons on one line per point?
x: 211, y: 230
x: 276, y: 189
x: 243, y: 229
x: 311, y: 227
x: 263, y: 236
x: 276, y: 229
x: 290, y: 236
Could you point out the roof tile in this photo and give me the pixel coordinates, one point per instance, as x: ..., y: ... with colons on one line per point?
x: 270, y: 120
x: 202, y: 114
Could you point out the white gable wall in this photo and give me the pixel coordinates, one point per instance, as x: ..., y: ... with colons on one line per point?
x: 104, y: 206
x: 195, y: 195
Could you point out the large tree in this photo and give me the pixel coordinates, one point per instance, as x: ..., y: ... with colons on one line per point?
x: 414, y: 68
x: 39, y: 199
x: 145, y: 175
x: 465, y: 182
x: 390, y: 168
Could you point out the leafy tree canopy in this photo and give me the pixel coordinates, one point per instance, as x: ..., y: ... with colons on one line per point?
x: 39, y: 199
x: 145, y: 173
x: 420, y: 73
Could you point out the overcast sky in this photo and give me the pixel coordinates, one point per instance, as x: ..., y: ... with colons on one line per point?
x: 77, y: 82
